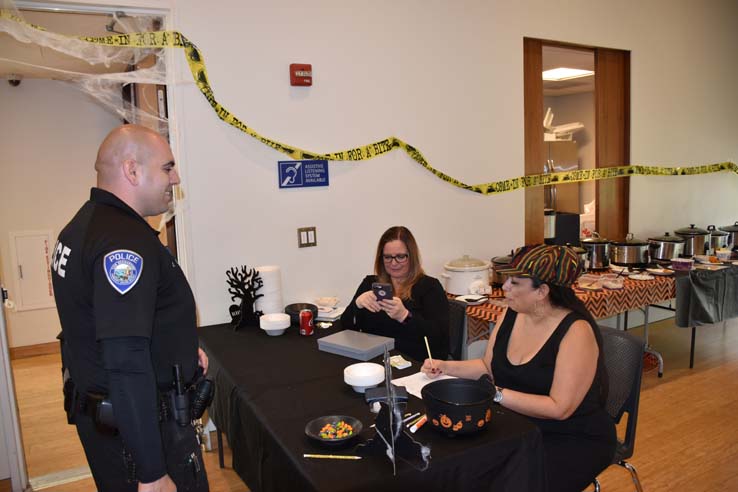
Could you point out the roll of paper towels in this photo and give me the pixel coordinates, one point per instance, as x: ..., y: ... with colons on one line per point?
x: 271, y: 302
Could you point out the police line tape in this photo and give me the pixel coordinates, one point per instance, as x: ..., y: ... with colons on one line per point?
x: 196, y: 62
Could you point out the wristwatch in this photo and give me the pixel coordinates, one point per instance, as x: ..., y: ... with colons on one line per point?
x: 498, y: 395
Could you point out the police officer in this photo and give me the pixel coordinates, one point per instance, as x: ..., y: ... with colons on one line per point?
x: 128, y: 316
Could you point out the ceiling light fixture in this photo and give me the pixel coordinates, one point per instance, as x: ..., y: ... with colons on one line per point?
x: 563, y: 73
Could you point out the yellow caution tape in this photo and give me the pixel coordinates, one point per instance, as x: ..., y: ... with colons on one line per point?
x: 196, y: 62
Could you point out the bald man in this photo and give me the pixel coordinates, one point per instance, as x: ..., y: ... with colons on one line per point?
x: 128, y: 319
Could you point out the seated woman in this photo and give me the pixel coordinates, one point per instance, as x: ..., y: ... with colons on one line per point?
x: 545, y: 356
x: 419, y: 307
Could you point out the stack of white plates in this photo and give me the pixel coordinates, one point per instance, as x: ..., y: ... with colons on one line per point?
x: 274, y: 324
x: 271, y: 291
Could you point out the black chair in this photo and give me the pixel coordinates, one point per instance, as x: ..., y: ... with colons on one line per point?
x: 623, y: 354
x: 456, y: 320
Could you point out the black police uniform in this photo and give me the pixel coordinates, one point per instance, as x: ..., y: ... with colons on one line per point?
x: 127, y: 316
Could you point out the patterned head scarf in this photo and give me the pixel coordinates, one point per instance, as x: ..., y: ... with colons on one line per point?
x: 557, y: 265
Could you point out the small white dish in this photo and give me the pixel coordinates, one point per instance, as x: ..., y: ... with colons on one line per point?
x: 664, y: 272
x: 711, y: 267
x: 472, y: 299
x: 363, y: 375
x: 617, y: 268
x: 706, y: 259
x: 326, y: 302
x: 274, y: 324
x: 641, y: 276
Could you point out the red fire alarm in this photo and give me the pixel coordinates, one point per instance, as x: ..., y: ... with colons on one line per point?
x: 301, y: 74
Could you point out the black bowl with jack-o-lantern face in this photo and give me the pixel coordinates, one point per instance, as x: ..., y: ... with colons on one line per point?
x: 459, y: 406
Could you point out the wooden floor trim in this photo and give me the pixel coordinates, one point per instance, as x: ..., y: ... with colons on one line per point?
x: 34, y: 350
x: 60, y: 478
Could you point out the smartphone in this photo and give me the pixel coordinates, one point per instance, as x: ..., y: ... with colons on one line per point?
x: 383, y: 291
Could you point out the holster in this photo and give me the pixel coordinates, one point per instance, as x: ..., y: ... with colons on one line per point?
x: 70, y: 398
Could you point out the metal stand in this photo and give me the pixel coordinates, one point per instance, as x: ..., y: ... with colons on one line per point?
x: 648, y: 349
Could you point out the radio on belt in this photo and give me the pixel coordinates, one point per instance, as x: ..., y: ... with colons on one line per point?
x: 301, y: 74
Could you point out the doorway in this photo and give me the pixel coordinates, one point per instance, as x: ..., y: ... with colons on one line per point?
x: 41, y: 190
x: 604, y: 140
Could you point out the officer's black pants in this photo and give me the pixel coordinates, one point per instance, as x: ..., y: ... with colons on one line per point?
x: 106, y: 457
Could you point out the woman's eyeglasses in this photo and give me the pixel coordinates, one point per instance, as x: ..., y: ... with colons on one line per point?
x: 401, y: 258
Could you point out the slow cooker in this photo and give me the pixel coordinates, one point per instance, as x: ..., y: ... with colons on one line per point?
x: 465, y: 275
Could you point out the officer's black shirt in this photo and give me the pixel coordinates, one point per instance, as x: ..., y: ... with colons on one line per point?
x: 159, y: 306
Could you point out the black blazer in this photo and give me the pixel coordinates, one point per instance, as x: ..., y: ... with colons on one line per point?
x: 428, y: 306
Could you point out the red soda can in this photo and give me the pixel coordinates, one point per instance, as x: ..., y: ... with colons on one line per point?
x: 306, y: 322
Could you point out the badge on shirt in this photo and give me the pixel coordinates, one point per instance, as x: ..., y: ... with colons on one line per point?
x: 123, y: 269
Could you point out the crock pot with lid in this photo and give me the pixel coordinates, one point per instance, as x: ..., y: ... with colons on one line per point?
x: 598, y: 251
x: 732, y: 230
x: 629, y: 252
x: 580, y: 252
x: 500, y: 262
x: 666, y: 247
x: 463, y: 275
x: 696, y: 240
x: 718, y: 238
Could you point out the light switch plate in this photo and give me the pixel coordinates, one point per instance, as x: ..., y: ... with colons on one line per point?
x: 306, y: 237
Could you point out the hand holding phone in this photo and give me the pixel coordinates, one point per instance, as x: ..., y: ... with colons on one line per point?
x: 382, y: 291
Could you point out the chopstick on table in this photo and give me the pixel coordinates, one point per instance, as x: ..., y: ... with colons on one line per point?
x: 333, y: 456
x: 427, y: 347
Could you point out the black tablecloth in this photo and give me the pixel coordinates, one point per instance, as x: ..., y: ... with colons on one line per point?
x: 705, y: 297
x: 268, y: 388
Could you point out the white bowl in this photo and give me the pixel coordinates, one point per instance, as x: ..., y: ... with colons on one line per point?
x: 326, y: 302
x: 363, y: 375
x: 274, y: 324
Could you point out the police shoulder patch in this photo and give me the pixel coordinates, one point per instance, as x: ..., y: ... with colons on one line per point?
x: 123, y: 268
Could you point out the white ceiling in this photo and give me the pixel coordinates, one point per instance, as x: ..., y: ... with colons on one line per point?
x: 554, y: 57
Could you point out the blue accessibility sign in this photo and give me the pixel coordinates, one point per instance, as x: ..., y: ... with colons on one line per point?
x: 302, y: 174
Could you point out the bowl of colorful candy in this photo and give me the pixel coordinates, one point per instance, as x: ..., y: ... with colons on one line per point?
x: 333, y: 430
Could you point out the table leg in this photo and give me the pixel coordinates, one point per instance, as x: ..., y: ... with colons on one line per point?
x: 625, y: 321
x: 691, y: 349
x: 649, y: 349
x: 221, y: 461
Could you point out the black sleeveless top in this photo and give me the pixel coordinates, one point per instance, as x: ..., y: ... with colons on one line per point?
x: 536, y: 376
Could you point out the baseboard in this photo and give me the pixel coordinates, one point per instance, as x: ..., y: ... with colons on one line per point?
x: 34, y: 350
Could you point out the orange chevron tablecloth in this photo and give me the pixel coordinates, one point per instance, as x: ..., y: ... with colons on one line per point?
x: 601, y: 303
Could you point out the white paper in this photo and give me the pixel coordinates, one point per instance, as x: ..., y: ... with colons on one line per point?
x: 330, y: 314
x: 415, y: 382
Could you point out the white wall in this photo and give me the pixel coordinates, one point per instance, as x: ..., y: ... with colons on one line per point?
x: 448, y: 78
x: 49, y: 134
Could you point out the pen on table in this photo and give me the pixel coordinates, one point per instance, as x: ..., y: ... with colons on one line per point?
x: 417, y: 425
x: 407, y: 418
x: 427, y: 347
x: 333, y: 456
x: 411, y: 422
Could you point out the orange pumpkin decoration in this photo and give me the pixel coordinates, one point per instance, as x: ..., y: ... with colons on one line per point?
x: 488, y: 415
x: 445, y: 421
x: 467, y: 418
x: 458, y: 426
x: 435, y: 422
x: 480, y: 423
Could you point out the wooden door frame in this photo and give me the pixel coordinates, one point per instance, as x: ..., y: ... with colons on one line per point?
x: 612, y: 134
